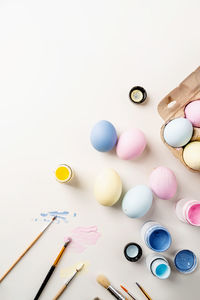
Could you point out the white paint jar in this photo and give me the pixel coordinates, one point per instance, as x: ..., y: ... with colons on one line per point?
x: 158, y: 266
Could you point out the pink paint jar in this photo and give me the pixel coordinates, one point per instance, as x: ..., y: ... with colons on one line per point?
x: 188, y: 211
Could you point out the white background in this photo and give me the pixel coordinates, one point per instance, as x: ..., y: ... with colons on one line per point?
x: 64, y: 65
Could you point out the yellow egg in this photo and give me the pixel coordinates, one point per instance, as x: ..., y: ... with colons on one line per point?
x: 108, y: 187
x: 191, y: 155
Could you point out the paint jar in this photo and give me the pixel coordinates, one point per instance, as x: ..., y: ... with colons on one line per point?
x: 188, y: 211
x: 158, y: 265
x: 185, y: 261
x: 133, y: 252
x: 156, y: 236
x: 63, y: 173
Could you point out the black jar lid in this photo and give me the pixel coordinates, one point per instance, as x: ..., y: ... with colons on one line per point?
x: 137, y: 94
x: 133, y: 252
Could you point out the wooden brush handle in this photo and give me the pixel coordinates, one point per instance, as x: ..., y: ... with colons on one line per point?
x: 27, y: 249
x: 60, y: 292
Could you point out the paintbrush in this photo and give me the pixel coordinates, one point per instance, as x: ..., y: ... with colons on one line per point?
x: 127, y: 292
x: 78, y: 268
x: 29, y: 247
x: 102, y: 280
x: 143, y: 291
x: 52, y: 269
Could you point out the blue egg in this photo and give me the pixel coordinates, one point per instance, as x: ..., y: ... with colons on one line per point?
x: 103, y: 136
x: 178, y: 132
x: 137, y: 201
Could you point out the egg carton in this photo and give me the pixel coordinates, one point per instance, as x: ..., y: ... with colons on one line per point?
x: 173, y: 106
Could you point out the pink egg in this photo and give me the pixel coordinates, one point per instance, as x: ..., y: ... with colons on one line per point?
x: 131, y: 144
x: 163, y: 183
x: 192, y: 112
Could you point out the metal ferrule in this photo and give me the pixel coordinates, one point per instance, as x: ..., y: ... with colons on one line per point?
x: 115, y: 293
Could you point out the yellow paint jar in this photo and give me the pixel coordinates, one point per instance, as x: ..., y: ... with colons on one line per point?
x: 63, y: 173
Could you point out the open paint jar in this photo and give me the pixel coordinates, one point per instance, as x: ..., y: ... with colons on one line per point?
x: 156, y: 236
x: 158, y: 265
x: 180, y: 110
x: 185, y: 261
x: 137, y: 94
x: 188, y: 211
x: 63, y: 173
x: 133, y: 252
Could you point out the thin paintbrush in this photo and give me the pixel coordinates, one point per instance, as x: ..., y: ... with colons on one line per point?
x: 52, y: 269
x: 123, y: 288
x: 143, y: 291
x: 78, y: 268
x: 29, y: 247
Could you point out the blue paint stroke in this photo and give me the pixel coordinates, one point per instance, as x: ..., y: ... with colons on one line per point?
x: 61, y: 216
x: 57, y: 213
x: 43, y: 215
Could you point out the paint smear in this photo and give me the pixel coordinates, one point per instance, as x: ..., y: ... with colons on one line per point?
x: 66, y: 272
x: 82, y: 237
x: 62, y: 216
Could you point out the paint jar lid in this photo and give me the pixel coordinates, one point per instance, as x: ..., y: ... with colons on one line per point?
x: 137, y: 94
x: 133, y: 252
x: 185, y: 261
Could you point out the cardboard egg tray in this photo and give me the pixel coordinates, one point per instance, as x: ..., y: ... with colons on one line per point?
x: 173, y: 106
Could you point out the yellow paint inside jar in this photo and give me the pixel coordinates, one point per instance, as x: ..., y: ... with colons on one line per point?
x: 63, y: 173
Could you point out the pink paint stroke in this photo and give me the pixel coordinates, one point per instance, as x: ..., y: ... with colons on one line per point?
x: 82, y: 237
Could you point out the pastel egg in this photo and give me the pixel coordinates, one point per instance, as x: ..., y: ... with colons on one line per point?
x: 103, y: 136
x: 108, y: 187
x: 131, y: 144
x: 163, y: 183
x: 192, y: 112
x: 191, y: 155
x: 178, y: 132
x: 137, y: 201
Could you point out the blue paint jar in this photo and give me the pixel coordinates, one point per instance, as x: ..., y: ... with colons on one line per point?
x: 185, y: 261
x: 156, y: 237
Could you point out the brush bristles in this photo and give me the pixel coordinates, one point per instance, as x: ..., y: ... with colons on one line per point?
x: 68, y: 240
x: 79, y: 267
x: 102, y: 280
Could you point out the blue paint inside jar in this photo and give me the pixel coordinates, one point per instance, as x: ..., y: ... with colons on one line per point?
x: 185, y: 261
x: 159, y: 239
x: 161, y: 270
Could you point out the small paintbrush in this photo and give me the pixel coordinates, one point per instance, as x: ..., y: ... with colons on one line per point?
x: 143, y: 291
x: 27, y: 249
x: 78, y: 268
x: 52, y: 269
x: 102, y: 280
x: 123, y: 288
